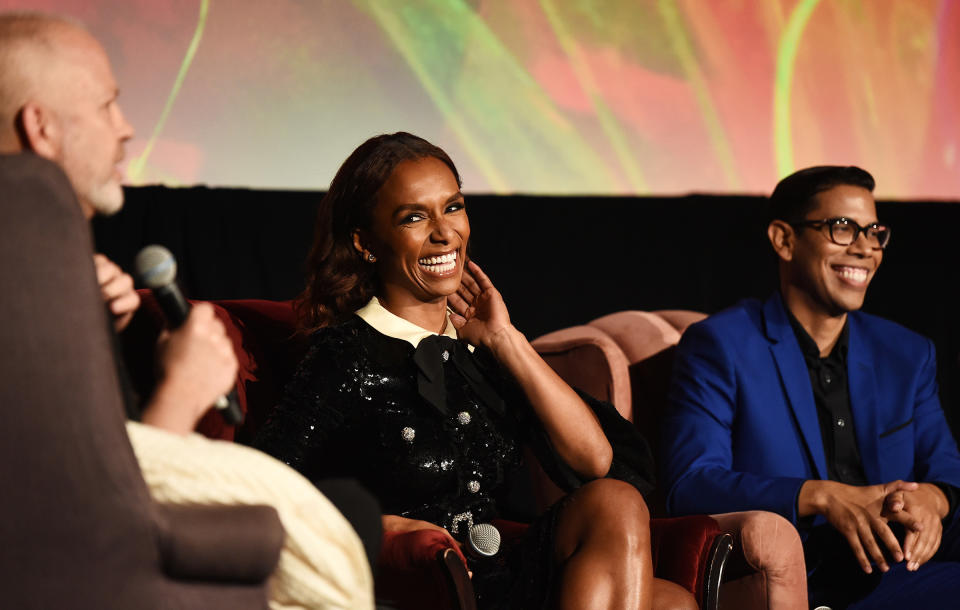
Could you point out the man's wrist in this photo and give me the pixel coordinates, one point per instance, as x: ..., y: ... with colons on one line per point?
x: 159, y: 417
x: 812, y: 498
x: 169, y: 410
x: 953, y: 497
x: 938, y: 499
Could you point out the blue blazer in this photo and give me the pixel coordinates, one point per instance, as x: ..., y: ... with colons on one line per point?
x: 742, y: 430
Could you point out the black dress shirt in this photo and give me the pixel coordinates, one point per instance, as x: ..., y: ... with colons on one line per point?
x: 828, y: 378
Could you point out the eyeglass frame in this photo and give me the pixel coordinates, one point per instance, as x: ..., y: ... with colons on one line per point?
x: 830, y: 223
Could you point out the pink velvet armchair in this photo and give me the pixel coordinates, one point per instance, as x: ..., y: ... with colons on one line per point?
x: 420, y: 569
x: 626, y: 357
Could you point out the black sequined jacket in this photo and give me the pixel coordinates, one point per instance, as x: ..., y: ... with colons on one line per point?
x: 436, y: 433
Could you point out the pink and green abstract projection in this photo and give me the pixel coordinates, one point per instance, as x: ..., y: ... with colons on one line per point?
x: 540, y: 96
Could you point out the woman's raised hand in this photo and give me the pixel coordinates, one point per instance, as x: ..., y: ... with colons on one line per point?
x: 479, y: 313
x: 481, y: 318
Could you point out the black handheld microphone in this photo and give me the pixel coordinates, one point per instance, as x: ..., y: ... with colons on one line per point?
x: 483, y: 540
x: 157, y: 270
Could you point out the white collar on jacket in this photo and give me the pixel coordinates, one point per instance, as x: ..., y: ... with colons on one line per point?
x: 392, y: 325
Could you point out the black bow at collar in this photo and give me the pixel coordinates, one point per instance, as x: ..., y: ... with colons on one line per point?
x: 431, y: 355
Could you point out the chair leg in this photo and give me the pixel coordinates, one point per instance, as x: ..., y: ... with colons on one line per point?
x: 719, y: 552
x: 462, y: 596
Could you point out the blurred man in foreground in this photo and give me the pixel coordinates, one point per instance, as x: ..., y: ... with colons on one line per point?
x: 58, y: 99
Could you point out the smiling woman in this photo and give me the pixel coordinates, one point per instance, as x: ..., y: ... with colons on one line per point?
x: 418, y: 385
x: 418, y: 236
x: 339, y: 281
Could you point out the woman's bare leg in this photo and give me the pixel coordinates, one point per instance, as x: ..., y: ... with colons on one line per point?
x: 603, y: 546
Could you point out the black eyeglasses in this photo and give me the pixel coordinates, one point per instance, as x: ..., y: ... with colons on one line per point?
x: 844, y: 231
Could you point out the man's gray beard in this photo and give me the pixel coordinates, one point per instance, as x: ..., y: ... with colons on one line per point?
x: 106, y: 199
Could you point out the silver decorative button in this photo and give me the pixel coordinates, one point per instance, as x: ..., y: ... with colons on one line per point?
x: 445, y: 355
x: 473, y: 486
x: 463, y: 417
x: 840, y: 422
x: 408, y: 434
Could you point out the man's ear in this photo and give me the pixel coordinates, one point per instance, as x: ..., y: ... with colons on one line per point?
x: 39, y: 131
x: 782, y: 238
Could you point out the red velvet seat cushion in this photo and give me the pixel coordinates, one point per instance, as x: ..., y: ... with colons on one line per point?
x: 264, y: 340
x: 268, y: 351
x: 410, y: 574
x: 680, y: 548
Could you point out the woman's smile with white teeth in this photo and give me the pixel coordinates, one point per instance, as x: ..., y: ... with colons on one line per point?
x: 440, y: 264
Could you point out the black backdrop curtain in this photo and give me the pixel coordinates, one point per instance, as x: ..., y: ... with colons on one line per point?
x: 559, y: 261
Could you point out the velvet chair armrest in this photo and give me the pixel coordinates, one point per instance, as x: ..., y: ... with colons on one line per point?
x: 219, y: 543
x: 766, y: 569
x: 691, y: 551
x: 423, y: 569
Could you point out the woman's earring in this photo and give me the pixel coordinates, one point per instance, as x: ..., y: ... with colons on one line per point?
x: 371, y: 258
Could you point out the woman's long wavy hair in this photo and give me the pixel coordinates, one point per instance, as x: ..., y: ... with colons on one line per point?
x: 338, y: 281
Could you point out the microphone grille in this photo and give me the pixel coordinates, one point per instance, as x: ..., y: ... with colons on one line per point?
x: 485, y: 539
x: 155, y: 266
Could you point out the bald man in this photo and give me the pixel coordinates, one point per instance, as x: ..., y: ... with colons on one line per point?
x: 58, y: 99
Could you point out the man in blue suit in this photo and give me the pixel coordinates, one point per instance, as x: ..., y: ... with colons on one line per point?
x: 806, y: 407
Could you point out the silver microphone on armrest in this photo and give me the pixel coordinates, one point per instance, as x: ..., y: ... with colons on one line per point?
x: 483, y: 540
